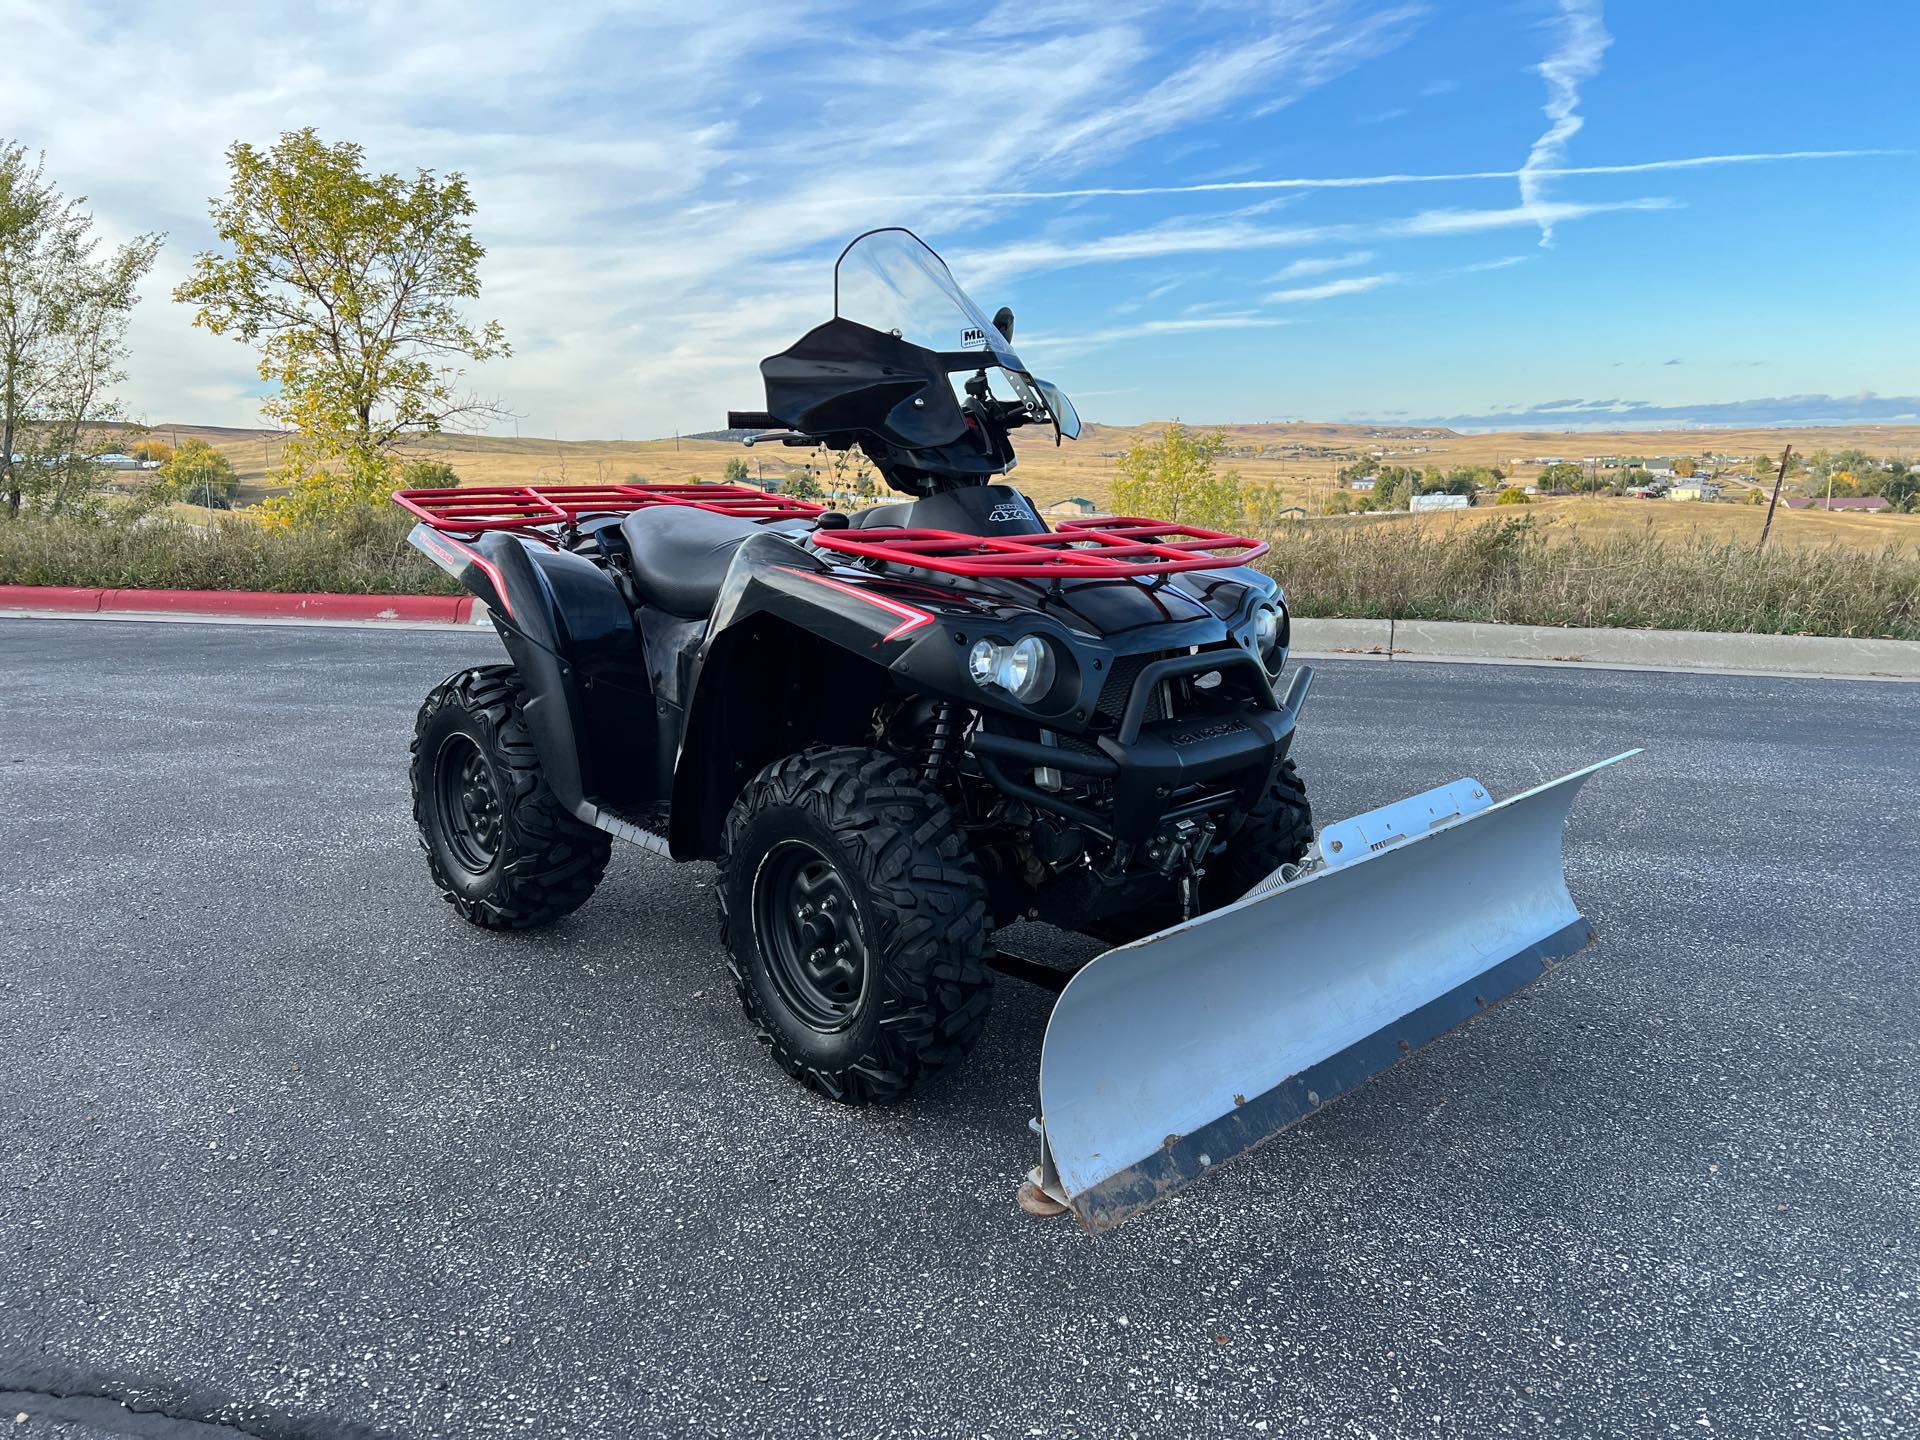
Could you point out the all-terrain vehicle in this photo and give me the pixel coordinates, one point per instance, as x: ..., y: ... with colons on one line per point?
x: 899, y: 730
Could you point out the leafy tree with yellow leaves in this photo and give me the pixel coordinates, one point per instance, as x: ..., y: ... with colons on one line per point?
x: 1174, y: 478
x: 352, y: 287
x: 198, y: 474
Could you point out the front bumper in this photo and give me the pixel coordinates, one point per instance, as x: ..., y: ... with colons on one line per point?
x: 1158, y: 771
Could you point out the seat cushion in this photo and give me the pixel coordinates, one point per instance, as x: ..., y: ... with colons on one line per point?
x: 681, y: 555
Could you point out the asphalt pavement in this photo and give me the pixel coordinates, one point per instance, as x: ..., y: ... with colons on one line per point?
x: 287, y: 1150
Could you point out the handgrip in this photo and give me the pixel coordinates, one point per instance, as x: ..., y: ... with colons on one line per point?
x: 753, y: 420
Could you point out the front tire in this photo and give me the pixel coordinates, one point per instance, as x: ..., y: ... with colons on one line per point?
x: 504, y: 852
x: 1277, y: 831
x: 855, y: 922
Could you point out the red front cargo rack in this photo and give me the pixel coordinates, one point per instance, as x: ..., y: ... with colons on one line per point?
x: 1110, y: 547
x: 470, y: 509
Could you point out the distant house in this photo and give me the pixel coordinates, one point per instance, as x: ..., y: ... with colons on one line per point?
x: 1663, y: 469
x: 1646, y: 492
x: 1439, y: 502
x: 1365, y: 482
x: 1072, y: 505
x: 1871, y: 504
x: 114, y: 460
x: 1694, y: 490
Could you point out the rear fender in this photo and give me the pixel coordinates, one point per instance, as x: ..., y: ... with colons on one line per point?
x: 586, y: 694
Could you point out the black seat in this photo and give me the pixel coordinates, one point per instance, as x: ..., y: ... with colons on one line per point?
x: 680, y: 554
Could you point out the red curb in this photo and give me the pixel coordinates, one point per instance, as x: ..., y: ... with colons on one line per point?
x: 239, y: 604
x: 73, y: 599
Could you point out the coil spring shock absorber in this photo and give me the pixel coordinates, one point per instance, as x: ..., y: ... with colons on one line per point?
x: 940, y: 747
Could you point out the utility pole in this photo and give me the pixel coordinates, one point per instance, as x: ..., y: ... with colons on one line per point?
x: 1782, y: 475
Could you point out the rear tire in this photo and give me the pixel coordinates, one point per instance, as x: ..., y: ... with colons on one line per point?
x: 503, y: 851
x: 855, y: 922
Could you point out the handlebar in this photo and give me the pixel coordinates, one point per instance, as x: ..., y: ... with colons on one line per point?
x: 754, y: 420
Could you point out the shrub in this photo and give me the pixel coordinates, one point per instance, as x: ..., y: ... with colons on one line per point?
x: 1506, y: 571
x: 428, y: 475
x: 1512, y: 495
x: 365, y: 553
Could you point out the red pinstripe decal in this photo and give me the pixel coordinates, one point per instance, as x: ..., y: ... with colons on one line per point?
x: 472, y: 556
x: 910, y: 618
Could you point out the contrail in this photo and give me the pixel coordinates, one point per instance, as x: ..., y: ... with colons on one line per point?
x: 1577, y: 59
x: 1358, y: 182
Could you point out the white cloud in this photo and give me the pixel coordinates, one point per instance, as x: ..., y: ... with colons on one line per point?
x: 1327, y: 290
x: 660, y: 193
x: 1583, y: 41
x: 1321, y: 264
x: 1221, y: 236
x: 1545, y: 213
x: 1449, y: 177
x: 1059, y: 347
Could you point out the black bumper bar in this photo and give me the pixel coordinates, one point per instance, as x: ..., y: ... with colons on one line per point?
x: 1150, y: 763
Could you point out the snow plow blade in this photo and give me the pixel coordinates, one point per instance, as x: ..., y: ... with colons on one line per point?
x: 1169, y: 1055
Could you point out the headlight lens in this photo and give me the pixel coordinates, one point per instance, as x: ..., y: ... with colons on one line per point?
x: 1023, y: 669
x: 1266, y: 629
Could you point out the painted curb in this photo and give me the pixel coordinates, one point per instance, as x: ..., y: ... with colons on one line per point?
x: 1469, y: 641
x: 238, y: 604
x: 1463, y: 642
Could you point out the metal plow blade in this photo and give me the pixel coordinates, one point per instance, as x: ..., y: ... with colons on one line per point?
x: 1169, y: 1055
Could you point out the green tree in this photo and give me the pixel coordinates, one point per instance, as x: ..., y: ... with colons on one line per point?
x: 1175, y: 479
x: 63, y: 322
x: 802, y: 485
x: 1267, y: 508
x: 1898, y: 483
x: 198, y: 474
x: 352, y: 287
x: 1564, y: 476
x: 1512, y: 495
x: 736, y: 471
x: 429, y: 475
x: 1394, y: 488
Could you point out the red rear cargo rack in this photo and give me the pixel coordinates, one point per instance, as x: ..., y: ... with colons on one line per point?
x: 470, y: 509
x: 1109, y: 547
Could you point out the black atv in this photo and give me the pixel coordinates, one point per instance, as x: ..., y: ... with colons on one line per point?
x: 893, y: 731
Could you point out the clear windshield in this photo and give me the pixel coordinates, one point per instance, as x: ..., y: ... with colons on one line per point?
x: 892, y: 281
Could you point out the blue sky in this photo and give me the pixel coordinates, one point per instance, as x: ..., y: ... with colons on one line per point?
x: 662, y: 190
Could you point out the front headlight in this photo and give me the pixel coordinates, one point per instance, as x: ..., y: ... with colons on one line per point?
x: 1266, y: 632
x: 1023, y: 669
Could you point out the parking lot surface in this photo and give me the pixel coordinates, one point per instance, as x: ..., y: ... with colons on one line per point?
x: 286, y: 1148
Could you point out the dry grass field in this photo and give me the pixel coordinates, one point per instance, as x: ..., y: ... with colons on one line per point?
x: 1301, y: 459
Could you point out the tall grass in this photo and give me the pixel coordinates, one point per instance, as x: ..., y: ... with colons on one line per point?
x: 1502, y: 570
x: 1505, y: 570
x: 367, y: 555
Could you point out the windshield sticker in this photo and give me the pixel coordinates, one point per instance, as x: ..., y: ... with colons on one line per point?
x: 973, y: 338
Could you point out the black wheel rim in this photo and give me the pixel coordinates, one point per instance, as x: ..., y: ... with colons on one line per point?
x: 807, y: 929
x: 469, y: 804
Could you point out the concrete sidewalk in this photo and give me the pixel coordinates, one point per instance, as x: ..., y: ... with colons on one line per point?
x: 1610, y: 649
